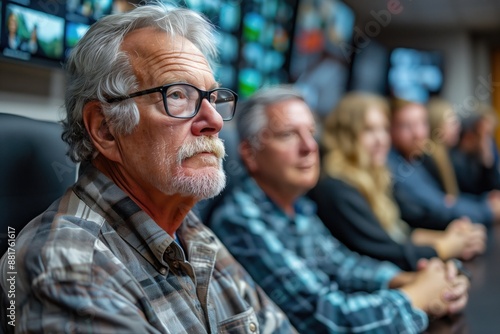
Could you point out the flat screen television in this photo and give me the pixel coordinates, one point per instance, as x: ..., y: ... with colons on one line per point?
x: 414, y: 74
x: 266, y: 39
x: 254, y: 37
x: 44, y: 32
x: 30, y: 33
x: 318, y: 64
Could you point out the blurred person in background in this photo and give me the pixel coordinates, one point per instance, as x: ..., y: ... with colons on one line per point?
x: 272, y: 229
x: 421, y: 199
x: 354, y: 194
x: 476, y: 158
x: 463, y: 161
x: 444, y: 127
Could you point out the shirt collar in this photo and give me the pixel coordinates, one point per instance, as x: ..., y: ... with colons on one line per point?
x: 302, y: 206
x: 133, y: 224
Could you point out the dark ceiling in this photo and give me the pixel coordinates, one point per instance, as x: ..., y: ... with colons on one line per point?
x: 471, y: 15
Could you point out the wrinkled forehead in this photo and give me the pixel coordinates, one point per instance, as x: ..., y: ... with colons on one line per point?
x: 154, y: 53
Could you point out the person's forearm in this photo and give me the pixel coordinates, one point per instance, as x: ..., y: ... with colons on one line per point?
x: 425, y: 237
x: 401, y: 279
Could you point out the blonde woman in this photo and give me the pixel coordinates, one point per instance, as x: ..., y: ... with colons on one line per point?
x: 354, y: 195
x: 444, y: 134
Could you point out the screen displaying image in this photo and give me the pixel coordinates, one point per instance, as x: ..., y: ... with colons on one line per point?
x: 318, y: 65
x: 86, y: 11
x: 415, y: 74
x: 323, y: 29
x: 45, y: 32
x: 32, y: 33
x: 74, y: 32
x: 266, y: 40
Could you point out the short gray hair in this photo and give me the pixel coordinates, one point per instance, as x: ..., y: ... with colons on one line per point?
x: 97, y: 69
x: 251, y: 116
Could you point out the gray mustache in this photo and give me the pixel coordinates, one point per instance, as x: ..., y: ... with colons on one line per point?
x: 202, y: 144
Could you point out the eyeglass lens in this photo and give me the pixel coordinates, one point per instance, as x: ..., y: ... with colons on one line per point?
x: 184, y: 100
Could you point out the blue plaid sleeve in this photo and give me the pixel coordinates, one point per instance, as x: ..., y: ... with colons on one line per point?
x: 337, y: 292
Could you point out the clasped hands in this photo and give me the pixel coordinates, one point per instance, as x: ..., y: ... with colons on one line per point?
x: 453, y: 288
x: 437, y: 287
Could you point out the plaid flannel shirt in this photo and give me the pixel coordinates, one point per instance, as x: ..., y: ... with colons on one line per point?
x: 95, y: 262
x: 321, y: 285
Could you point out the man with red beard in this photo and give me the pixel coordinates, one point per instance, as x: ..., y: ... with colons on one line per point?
x: 121, y: 251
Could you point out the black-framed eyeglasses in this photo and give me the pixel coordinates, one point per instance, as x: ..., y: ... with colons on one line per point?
x: 182, y: 100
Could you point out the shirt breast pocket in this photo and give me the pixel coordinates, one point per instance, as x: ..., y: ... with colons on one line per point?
x: 245, y: 322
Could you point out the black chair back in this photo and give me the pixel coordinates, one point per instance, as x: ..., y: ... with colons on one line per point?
x: 34, y: 170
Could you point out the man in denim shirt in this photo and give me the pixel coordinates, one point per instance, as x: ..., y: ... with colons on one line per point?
x: 422, y: 201
x: 273, y: 231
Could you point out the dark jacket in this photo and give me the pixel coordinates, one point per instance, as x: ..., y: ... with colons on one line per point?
x: 472, y: 176
x: 423, y: 202
x: 349, y: 217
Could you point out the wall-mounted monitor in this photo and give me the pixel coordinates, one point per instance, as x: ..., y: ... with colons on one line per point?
x: 415, y: 74
x: 87, y: 11
x: 30, y: 33
x: 44, y: 32
x: 318, y: 64
x: 74, y: 32
x: 254, y: 37
x: 267, y: 31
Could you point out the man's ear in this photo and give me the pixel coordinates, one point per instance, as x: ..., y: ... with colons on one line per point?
x: 248, y: 155
x: 99, y: 131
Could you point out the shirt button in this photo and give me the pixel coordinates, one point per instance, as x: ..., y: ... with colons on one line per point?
x: 163, y: 271
x: 252, y: 327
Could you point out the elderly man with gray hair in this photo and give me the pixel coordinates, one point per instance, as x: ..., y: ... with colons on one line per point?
x: 121, y: 251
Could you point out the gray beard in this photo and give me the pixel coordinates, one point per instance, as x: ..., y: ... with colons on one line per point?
x: 201, y: 185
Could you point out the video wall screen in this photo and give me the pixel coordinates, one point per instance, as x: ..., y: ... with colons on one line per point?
x: 255, y: 37
x: 318, y: 65
x: 30, y: 32
x: 415, y: 75
x: 44, y: 32
x: 266, y: 38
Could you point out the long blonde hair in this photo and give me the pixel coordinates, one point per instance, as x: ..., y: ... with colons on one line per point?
x: 438, y: 110
x: 346, y: 159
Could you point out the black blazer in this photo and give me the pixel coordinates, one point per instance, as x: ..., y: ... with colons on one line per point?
x: 351, y: 220
x: 472, y: 176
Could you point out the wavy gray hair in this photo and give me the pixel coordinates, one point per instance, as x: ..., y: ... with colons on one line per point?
x: 97, y: 69
x: 251, y: 115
